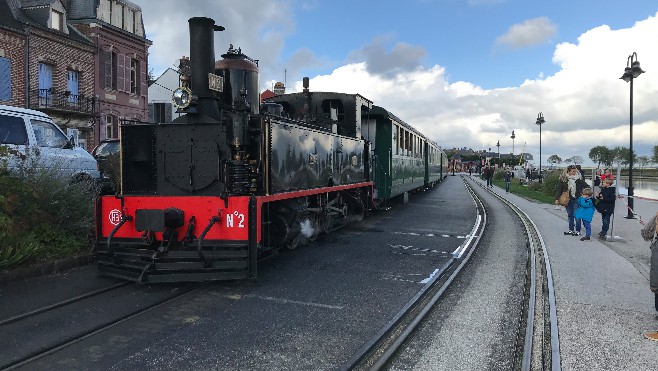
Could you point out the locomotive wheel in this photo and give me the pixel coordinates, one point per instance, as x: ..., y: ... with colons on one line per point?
x: 278, y: 231
x: 327, y: 222
x: 292, y: 244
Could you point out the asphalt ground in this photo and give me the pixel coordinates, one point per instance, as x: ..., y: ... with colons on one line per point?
x: 309, y: 309
x: 475, y: 325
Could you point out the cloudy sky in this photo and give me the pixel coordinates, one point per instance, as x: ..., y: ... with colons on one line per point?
x: 464, y: 72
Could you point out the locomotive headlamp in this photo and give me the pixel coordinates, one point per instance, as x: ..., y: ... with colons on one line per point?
x: 182, y: 97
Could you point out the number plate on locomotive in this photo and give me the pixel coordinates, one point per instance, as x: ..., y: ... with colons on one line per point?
x: 215, y: 82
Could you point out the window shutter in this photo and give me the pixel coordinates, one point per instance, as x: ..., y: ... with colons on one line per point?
x: 121, y: 72
x: 5, y: 79
x: 143, y: 73
x: 108, y: 72
x: 151, y: 112
x: 168, y: 115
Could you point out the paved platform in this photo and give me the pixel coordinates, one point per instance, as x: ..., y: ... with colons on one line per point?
x: 602, y: 288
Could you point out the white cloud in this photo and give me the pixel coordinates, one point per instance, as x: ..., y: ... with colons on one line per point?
x: 585, y: 104
x: 257, y: 27
x: 528, y: 33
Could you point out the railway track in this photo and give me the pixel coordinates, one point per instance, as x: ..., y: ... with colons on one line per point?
x: 30, y: 356
x: 537, y: 346
x: 62, y: 303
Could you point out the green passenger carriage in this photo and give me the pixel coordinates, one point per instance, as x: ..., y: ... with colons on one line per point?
x: 404, y: 159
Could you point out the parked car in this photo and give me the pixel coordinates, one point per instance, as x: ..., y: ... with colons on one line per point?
x: 106, y: 154
x: 32, y: 136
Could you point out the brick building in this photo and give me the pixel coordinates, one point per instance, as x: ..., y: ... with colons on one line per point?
x: 117, y: 30
x: 51, y: 64
x: 83, y: 62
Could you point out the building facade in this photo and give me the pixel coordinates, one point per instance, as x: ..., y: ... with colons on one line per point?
x: 54, y: 72
x: 116, y: 29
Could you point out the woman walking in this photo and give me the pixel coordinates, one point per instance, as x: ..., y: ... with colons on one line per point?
x: 571, y: 182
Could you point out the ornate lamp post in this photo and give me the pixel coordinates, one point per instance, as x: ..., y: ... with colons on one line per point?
x: 631, y: 72
x: 498, y: 145
x: 540, y: 121
x: 513, y: 136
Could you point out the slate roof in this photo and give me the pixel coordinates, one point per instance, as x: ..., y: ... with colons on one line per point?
x: 13, y: 17
x: 30, y: 3
x: 7, y: 19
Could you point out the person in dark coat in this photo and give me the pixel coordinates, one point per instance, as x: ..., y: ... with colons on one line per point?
x: 606, y: 205
x: 572, y: 182
x: 489, y: 173
x: 508, y: 178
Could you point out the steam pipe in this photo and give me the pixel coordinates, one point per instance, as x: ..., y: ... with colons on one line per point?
x: 202, y: 62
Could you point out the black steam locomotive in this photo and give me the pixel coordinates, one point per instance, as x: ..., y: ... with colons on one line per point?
x: 231, y: 181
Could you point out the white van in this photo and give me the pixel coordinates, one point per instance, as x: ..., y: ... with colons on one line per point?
x: 33, y: 135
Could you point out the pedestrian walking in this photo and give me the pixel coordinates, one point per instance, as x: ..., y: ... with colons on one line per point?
x: 470, y: 171
x: 606, y: 205
x: 508, y: 178
x: 649, y: 234
x: 569, y: 187
x: 585, y: 212
x: 488, y: 173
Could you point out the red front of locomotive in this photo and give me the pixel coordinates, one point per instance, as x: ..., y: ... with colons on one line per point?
x: 191, y: 239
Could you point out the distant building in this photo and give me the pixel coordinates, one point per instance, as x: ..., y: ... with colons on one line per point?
x: 279, y: 88
x: 267, y: 94
x: 160, y: 106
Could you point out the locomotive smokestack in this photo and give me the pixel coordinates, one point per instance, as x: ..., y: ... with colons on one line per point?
x: 202, y: 62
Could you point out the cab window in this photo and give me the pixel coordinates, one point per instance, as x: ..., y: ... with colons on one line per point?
x: 48, y: 135
x: 12, y: 130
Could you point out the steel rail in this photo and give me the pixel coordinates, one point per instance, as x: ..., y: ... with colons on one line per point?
x: 536, y: 245
x: 61, y: 303
x: 379, y: 350
x: 96, y: 330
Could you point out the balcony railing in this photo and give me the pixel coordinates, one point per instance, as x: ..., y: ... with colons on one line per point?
x: 47, y: 99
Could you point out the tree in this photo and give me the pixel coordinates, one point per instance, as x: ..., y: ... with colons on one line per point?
x: 642, y: 161
x: 575, y: 159
x: 600, y: 154
x: 554, y: 159
x: 654, y: 158
x: 568, y: 160
x: 150, y: 78
x: 621, y: 155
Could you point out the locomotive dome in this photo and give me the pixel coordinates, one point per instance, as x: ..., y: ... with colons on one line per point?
x: 241, y: 78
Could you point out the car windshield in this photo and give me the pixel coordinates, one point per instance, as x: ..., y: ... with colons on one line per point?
x: 48, y: 135
x: 106, y: 148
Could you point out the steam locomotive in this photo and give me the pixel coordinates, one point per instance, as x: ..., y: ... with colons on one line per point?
x: 232, y: 181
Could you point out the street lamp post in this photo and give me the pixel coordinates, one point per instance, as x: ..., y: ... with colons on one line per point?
x: 631, y: 72
x: 498, y: 145
x: 513, y: 136
x: 540, y: 121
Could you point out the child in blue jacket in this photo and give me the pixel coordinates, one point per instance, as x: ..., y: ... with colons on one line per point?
x: 585, y: 212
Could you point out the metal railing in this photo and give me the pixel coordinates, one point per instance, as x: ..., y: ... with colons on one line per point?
x: 62, y: 101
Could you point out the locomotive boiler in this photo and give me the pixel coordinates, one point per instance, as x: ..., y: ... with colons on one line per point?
x: 231, y: 181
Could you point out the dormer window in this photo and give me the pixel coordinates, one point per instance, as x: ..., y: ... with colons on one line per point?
x: 57, y: 20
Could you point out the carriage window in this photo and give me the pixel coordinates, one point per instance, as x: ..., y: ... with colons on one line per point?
x: 394, y: 133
